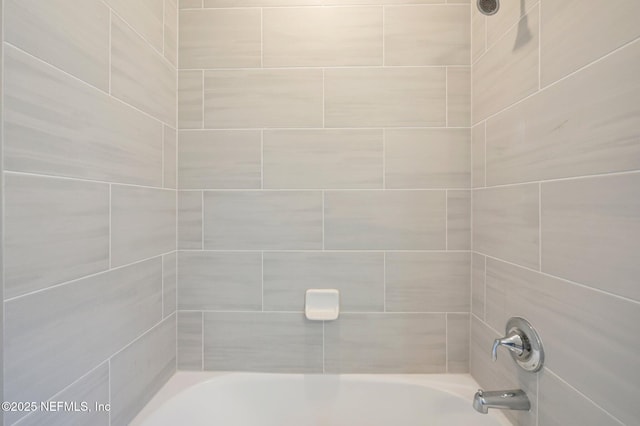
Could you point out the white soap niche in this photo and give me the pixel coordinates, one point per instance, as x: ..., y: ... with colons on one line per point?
x: 322, y: 304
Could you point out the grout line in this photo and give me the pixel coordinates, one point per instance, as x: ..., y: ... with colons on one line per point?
x: 320, y: 67
x: 219, y: 129
x: 77, y: 79
x: 47, y: 176
x: 110, y: 48
x: 316, y: 189
x: 104, y: 271
x: 268, y: 312
x: 584, y: 286
x: 320, y: 250
x: 565, y: 179
x: 582, y: 395
x: 345, y: 5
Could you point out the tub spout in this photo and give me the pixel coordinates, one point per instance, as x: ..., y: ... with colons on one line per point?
x: 505, y: 400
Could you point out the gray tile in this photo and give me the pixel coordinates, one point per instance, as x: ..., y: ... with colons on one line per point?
x: 332, y: 36
x: 459, y: 96
x: 477, y: 285
x: 254, y: 220
x: 385, y: 97
x: 190, y: 341
x: 478, y: 34
x: 427, y: 35
x: 508, y: 72
x: 510, y: 13
x: 171, y: 31
x: 458, y: 220
x: 220, y: 281
x: 133, y: 62
x: 52, y: 338
x: 169, y: 283
x: 141, y: 369
x: 189, y: 4
x: 478, y: 154
x: 73, y: 36
x: 212, y: 159
x: 56, y: 230
x: 506, y: 223
x: 263, y: 98
x: 60, y: 135
x: 427, y: 282
x: 411, y: 220
x: 570, y: 130
x: 570, y: 318
x: 458, y: 343
x: 143, y: 223
x: 340, y: 2
x: 566, y: 42
x: 358, y: 276
x: 169, y: 157
x: 590, y: 229
x: 262, y: 341
x: 145, y: 16
x: 427, y: 158
x: 503, y: 374
x: 322, y: 159
x: 561, y: 405
x: 228, y: 38
x: 93, y: 388
x: 247, y: 3
x: 190, y: 99
x: 386, y: 343
x: 189, y: 219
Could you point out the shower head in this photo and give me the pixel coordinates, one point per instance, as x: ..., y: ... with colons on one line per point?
x: 488, y: 7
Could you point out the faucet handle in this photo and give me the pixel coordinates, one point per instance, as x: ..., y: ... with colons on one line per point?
x: 513, y: 342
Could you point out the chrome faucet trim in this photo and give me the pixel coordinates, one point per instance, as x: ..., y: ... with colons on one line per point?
x: 514, y: 399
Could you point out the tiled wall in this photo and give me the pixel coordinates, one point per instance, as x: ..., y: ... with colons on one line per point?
x: 556, y: 203
x: 324, y: 144
x: 90, y: 204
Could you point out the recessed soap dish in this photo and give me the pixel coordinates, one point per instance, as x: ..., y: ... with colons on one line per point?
x: 322, y: 304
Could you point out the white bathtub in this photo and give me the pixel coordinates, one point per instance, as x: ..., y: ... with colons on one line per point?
x: 255, y: 399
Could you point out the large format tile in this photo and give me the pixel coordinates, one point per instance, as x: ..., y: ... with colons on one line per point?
x: 478, y: 154
x: 140, y: 75
x: 590, y: 229
x: 56, y: 230
x: 220, y: 281
x: 84, y: 134
x: 411, y: 220
x: 143, y: 223
x: 228, y: 38
x: 254, y: 220
x: 458, y: 96
x: 190, y: 99
x: 212, y: 159
x: 73, y: 36
x: 427, y: 158
x: 262, y: 341
x: 459, y: 220
x: 93, y: 388
x: 567, y: 40
x: 477, y: 285
x: 171, y: 31
x: 189, y: 341
x: 427, y: 35
x: 189, y: 4
x: 263, y: 98
x: 266, y: 3
x: 583, y: 330
x: 358, y: 276
x: 309, y: 159
x: 506, y: 223
x: 509, y: 15
x: 169, y: 159
x: 145, y: 16
x: 55, y: 336
x: 189, y: 220
x: 333, y: 36
x: 140, y: 370
x: 169, y: 283
x: 427, y: 282
x: 508, y: 72
x: 458, y: 334
x: 386, y: 343
x: 478, y: 34
x: 561, y: 405
x: 385, y: 97
x: 585, y: 124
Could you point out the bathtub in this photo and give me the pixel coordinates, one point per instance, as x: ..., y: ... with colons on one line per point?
x: 257, y: 399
